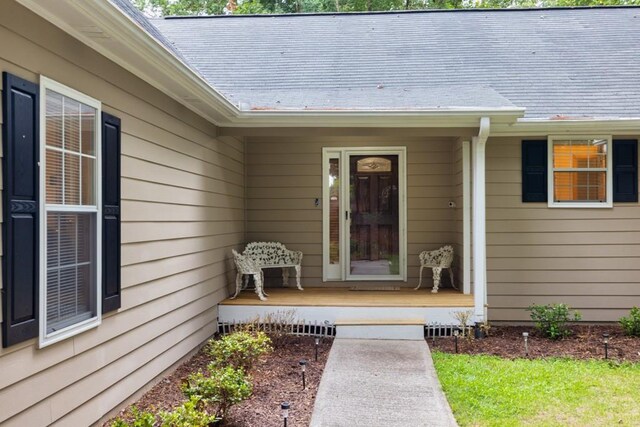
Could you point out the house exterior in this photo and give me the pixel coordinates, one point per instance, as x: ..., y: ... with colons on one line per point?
x: 360, y: 140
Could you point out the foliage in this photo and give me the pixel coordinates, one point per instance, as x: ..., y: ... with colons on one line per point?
x: 552, y: 319
x: 463, y: 318
x: 240, y: 349
x: 218, y: 7
x: 491, y: 391
x: 140, y: 419
x: 222, y: 388
x: 631, y: 324
x: 189, y: 414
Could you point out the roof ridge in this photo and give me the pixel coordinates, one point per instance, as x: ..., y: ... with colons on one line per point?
x: 408, y: 12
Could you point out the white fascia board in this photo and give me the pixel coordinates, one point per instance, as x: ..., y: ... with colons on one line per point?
x: 532, y: 127
x: 444, y: 117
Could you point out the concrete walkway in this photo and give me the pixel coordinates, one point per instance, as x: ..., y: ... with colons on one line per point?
x: 380, y: 383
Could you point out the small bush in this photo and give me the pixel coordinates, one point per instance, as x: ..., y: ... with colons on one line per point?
x: 552, y: 319
x: 140, y: 419
x: 239, y: 349
x: 631, y: 324
x: 223, y: 388
x: 189, y: 414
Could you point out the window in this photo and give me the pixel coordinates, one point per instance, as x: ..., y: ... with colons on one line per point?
x: 580, y: 171
x: 70, y: 227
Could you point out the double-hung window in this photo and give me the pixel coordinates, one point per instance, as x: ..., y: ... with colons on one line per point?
x: 70, y: 226
x: 580, y: 172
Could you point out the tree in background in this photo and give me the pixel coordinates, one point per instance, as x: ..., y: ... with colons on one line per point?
x: 248, y: 7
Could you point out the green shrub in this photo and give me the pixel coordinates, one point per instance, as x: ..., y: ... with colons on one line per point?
x: 631, y: 324
x: 239, y: 349
x: 223, y: 388
x: 552, y: 319
x: 189, y: 414
x: 140, y: 419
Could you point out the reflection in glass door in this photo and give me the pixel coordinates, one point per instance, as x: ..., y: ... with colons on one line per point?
x: 374, y: 244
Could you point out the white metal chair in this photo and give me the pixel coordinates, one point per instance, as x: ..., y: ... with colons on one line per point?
x: 437, y: 260
x: 248, y: 266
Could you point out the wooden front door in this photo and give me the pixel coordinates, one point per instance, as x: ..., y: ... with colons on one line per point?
x: 374, y: 243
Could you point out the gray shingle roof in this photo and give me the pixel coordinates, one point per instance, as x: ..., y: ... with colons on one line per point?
x: 570, y: 62
x: 138, y: 17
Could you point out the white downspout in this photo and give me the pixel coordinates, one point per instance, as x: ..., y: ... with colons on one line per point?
x: 480, y: 221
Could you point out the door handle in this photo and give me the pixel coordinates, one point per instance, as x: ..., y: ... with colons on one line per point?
x: 346, y: 215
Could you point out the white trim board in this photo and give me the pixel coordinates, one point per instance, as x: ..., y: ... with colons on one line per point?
x: 240, y: 313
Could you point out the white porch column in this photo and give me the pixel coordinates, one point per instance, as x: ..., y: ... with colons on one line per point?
x: 466, y: 217
x: 479, y: 221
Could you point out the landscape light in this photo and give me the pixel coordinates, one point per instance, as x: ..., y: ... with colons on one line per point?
x: 525, y: 336
x: 317, y: 344
x: 284, y: 406
x: 303, y: 366
x: 605, y: 338
x: 456, y: 332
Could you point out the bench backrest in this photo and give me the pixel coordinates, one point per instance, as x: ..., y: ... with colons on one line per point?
x: 271, y: 253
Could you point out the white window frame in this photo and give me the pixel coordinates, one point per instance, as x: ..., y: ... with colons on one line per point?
x: 341, y: 273
x: 550, y: 170
x: 45, y: 339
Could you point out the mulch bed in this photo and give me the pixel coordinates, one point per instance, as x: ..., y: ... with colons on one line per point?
x: 276, y: 379
x: 585, y: 343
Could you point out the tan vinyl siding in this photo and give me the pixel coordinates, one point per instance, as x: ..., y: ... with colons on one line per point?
x: 284, y: 177
x: 182, y: 212
x: 587, y: 258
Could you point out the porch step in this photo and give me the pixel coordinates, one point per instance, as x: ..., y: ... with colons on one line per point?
x: 380, y: 329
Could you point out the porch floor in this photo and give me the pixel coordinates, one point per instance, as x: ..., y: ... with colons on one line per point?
x: 343, y: 297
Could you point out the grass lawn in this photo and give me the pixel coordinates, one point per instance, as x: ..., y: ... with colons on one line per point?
x: 491, y: 391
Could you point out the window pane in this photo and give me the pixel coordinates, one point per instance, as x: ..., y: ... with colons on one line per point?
x: 70, y: 295
x: 334, y: 211
x: 88, y: 130
x: 53, y: 179
x: 88, y: 181
x: 71, y: 179
x: 54, y: 119
x: 580, y: 186
x: 588, y: 153
x: 71, y: 125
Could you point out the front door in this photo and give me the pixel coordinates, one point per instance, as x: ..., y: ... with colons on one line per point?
x: 364, y: 213
x: 374, y: 241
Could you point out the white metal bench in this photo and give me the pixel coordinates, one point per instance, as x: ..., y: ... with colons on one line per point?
x: 263, y: 255
x: 437, y: 260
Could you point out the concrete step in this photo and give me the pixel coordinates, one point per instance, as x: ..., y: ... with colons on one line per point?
x: 380, y: 329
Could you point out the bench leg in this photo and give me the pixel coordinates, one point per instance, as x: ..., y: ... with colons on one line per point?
x: 437, y: 273
x: 298, y: 274
x: 420, y: 281
x: 453, y: 285
x: 263, y: 282
x: 238, y: 284
x: 258, y: 279
x: 285, y: 276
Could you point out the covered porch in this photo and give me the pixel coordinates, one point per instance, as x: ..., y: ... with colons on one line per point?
x: 302, y: 190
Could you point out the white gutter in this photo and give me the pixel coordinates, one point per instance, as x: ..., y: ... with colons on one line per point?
x: 533, y: 127
x: 479, y: 144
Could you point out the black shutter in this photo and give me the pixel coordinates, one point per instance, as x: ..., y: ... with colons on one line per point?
x: 534, y: 171
x: 20, y: 261
x: 110, y: 213
x: 625, y: 170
